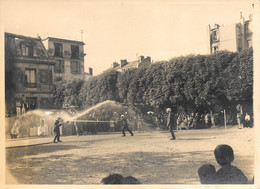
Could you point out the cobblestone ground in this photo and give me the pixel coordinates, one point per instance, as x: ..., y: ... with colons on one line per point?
x: 150, y: 157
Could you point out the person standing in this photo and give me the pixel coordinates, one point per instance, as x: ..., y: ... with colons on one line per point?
x: 140, y: 123
x: 171, y: 123
x: 247, y: 120
x: 125, y: 126
x: 57, y: 125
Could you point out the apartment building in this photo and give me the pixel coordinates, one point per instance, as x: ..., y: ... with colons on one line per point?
x: 68, y: 56
x: 233, y: 37
x: 34, y: 73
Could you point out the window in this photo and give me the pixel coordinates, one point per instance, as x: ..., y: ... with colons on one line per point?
x: 58, y: 49
x: 239, y: 46
x: 246, y: 28
x: 215, y: 49
x: 75, y: 67
x: 215, y: 35
x: 30, y: 78
x: 27, y: 50
x: 74, y: 51
x: 45, y: 76
x: 59, y: 66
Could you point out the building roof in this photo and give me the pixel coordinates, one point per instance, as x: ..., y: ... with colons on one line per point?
x: 131, y: 64
x: 128, y: 65
x: 34, y: 59
x: 20, y: 36
x: 65, y: 40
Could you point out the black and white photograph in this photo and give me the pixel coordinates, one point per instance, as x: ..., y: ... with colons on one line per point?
x: 128, y: 93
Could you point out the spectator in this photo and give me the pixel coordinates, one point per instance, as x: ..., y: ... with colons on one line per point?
x: 171, y: 122
x: 15, y: 131
x: 119, y: 179
x: 213, y: 121
x: 239, y: 121
x: 247, y: 120
x: 140, y: 123
x: 207, y: 174
x: 206, y: 119
x: 227, y: 174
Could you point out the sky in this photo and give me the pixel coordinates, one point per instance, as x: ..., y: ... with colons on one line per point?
x: 124, y: 29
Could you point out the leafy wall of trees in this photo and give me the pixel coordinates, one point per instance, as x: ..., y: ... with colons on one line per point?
x: 197, y: 82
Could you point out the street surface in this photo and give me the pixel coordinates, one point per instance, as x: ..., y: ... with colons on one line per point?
x: 149, y: 156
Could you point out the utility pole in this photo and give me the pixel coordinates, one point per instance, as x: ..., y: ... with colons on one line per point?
x: 225, y: 119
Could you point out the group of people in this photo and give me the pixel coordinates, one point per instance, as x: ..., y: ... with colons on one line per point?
x: 227, y: 174
x: 244, y: 120
x: 191, y: 121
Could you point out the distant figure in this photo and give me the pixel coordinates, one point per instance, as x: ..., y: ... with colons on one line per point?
x: 15, y: 131
x: 227, y: 174
x: 213, y: 124
x: 40, y: 130
x: 119, y: 179
x: 247, y: 120
x: 171, y: 123
x: 206, y: 119
x: 57, y: 125
x: 140, y: 123
x: 125, y: 126
x: 239, y: 121
x: 18, y: 109
x: 23, y: 108
x: 207, y: 173
x: 112, y: 125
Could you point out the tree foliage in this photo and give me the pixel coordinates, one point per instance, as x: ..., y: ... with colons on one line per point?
x: 194, y: 81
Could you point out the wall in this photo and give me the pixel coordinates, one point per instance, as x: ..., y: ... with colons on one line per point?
x: 228, y: 39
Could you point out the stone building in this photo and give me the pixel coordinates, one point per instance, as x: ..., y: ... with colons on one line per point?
x: 69, y: 57
x: 124, y: 65
x: 234, y: 37
x: 34, y: 73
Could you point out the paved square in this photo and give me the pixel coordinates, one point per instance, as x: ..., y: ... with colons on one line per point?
x: 150, y: 157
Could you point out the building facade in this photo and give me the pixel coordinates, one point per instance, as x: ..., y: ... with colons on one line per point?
x: 234, y: 37
x: 124, y: 65
x: 68, y: 56
x: 34, y: 70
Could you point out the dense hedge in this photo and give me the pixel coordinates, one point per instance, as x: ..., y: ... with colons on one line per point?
x: 193, y: 82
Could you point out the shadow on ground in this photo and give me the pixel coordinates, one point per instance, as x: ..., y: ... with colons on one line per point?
x: 148, y: 167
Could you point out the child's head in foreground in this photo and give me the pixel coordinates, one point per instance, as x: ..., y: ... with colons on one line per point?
x: 224, y: 154
x: 206, y: 173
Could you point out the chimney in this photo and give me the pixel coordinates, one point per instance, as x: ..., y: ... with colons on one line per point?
x: 115, y: 64
x: 90, y: 71
x: 141, y: 58
x: 148, y: 58
x: 123, y: 62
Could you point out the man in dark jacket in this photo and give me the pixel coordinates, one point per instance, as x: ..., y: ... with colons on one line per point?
x: 171, y: 122
x: 57, y: 125
x: 125, y: 126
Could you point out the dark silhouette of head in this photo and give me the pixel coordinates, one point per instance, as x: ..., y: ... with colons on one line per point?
x: 113, y: 179
x: 119, y: 179
x: 206, y: 174
x: 224, y: 154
